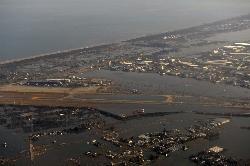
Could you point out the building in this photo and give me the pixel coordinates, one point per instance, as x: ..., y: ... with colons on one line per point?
x: 45, y: 83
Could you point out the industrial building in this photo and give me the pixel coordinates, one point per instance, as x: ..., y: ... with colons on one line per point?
x: 45, y: 83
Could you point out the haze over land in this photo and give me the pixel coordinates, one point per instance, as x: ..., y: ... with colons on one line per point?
x: 36, y: 27
x: 166, y: 91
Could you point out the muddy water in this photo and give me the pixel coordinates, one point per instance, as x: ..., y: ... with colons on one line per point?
x: 152, y: 83
x: 231, y: 137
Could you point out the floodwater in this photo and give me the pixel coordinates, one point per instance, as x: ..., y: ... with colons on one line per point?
x: 231, y: 137
x: 38, y: 27
x: 153, y: 83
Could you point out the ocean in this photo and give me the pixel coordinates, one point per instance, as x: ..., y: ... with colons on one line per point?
x: 32, y: 27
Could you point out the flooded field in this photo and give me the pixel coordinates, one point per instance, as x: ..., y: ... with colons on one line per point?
x: 152, y: 83
x: 119, y: 122
x: 76, y: 143
x: 177, y: 98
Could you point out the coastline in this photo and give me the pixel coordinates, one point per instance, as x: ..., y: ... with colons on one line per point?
x: 47, y: 97
x: 143, y: 37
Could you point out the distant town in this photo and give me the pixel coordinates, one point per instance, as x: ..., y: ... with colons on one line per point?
x: 118, y: 120
x: 228, y: 64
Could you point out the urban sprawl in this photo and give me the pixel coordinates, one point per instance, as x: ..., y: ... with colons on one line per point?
x: 40, y: 94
